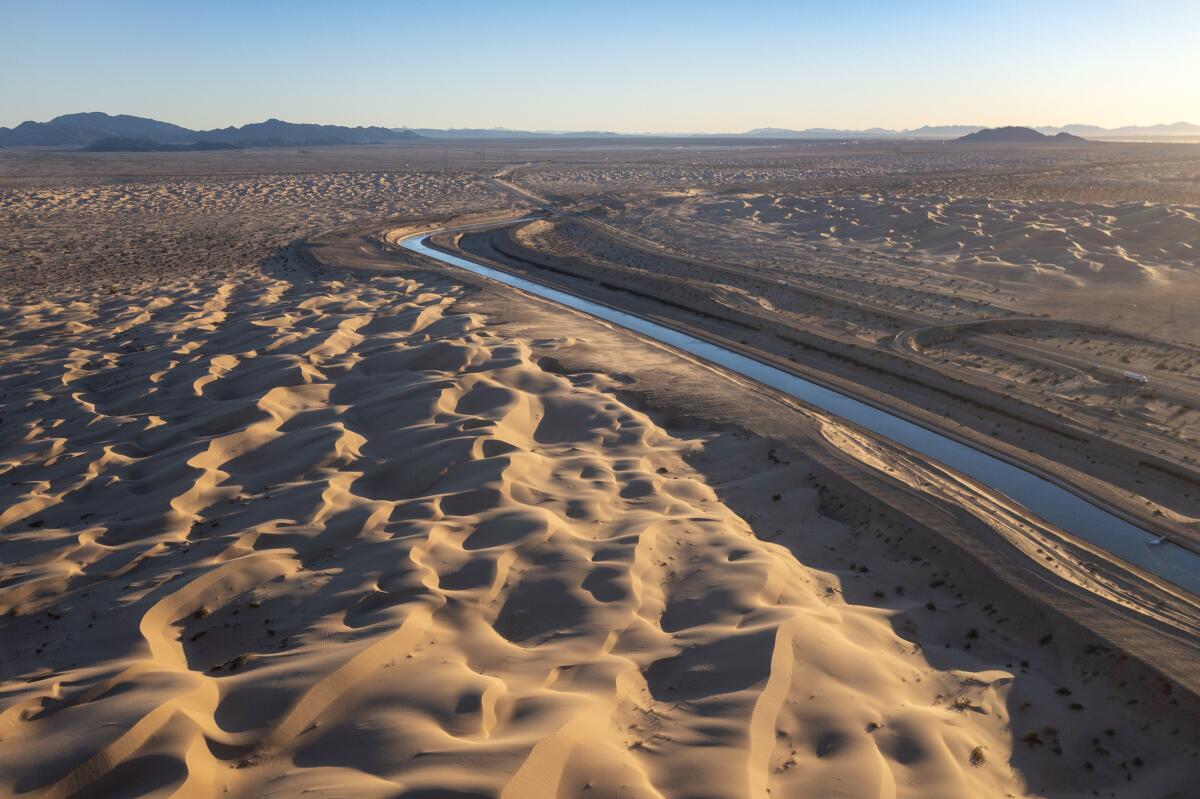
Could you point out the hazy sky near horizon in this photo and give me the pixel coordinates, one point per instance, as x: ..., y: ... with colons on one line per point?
x: 612, y: 65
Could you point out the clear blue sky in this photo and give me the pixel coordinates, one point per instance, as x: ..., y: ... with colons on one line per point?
x: 605, y: 64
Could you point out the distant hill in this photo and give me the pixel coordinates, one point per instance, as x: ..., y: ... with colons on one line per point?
x: 757, y: 133
x: 276, y: 133
x: 86, y: 129
x: 1173, y: 130
x: 1018, y: 135
x: 80, y: 129
x: 941, y: 131
x: 119, y: 144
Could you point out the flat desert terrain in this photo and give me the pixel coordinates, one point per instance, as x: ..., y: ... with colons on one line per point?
x: 287, y: 511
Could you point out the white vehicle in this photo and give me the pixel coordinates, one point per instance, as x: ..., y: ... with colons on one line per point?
x: 1134, y: 377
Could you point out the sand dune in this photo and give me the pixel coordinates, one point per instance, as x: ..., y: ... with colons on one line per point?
x: 1071, y: 243
x: 280, y: 535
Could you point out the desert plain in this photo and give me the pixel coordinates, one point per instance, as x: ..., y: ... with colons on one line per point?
x: 286, y: 510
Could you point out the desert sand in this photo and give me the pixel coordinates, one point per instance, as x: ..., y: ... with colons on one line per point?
x: 1068, y: 243
x: 1023, y: 301
x: 277, y: 523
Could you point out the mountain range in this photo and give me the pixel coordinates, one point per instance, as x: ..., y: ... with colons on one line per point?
x: 78, y: 130
x: 140, y: 133
x: 928, y: 132
x: 1174, y: 130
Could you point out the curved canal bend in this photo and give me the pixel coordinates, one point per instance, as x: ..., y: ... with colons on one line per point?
x: 1053, y: 503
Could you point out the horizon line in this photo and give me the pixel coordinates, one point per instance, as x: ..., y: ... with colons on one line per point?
x: 601, y: 130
